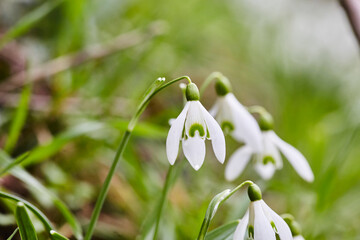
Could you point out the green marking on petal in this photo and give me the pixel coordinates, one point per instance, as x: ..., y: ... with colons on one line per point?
x: 251, y: 232
x: 197, y: 127
x: 227, y: 127
x: 268, y: 159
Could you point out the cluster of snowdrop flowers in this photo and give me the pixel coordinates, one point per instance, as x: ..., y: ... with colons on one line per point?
x: 191, y: 128
x: 260, y: 222
x: 260, y: 142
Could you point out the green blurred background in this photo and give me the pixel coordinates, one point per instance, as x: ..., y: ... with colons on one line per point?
x: 298, y: 59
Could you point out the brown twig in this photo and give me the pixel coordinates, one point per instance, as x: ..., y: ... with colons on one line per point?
x: 90, y: 53
x: 352, y: 10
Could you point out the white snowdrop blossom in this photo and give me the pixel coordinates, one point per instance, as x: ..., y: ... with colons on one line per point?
x: 269, y: 160
x: 234, y: 118
x: 260, y: 221
x: 191, y: 128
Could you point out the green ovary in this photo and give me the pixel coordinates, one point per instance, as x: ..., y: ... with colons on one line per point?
x: 197, y: 127
x: 227, y: 126
x: 268, y: 159
x: 251, y: 232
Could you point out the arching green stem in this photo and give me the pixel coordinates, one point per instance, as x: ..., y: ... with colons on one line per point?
x: 213, y: 76
x: 214, y: 205
x: 156, y: 87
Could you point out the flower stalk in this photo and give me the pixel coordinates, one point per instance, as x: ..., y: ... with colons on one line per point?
x: 156, y: 87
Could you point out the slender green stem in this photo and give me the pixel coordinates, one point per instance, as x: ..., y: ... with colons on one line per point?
x: 213, y: 76
x: 168, y: 181
x: 156, y: 87
x: 213, y: 206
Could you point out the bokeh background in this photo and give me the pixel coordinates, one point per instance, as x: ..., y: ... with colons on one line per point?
x: 299, y: 59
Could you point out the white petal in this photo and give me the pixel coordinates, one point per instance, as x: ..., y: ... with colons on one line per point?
x: 216, y: 135
x: 175, y: 134
x: 237, y: 162
x: 215, y: 109
x: 266, y: 171
x: 271, y: 150
x: 296, y: 159
x: 241, y: 228
x: 195, y: 116
x: 246, y: 127
x: 262, y: 226
x: 194, y: 150
x: 282, y: 228
x: 299, y: 237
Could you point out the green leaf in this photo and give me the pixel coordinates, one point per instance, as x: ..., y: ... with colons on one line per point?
x: 13, y: 234
x: 27, y: 230
x: 19, y: 119
x: 223, y: 232
x: 14, y: 163
x: 214, y: 205
x: 57, y: 236
x: 34, y: 185
x: 48, y: 226
x: 28, y: 21
x: 43, y: 152
x: 211, y: 210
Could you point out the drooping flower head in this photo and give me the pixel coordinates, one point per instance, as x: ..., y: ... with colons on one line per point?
x: 269, y: 159
x: 233, y: 117
x: 294, y: 226
x: 191, y: 128
x: 260, y: 221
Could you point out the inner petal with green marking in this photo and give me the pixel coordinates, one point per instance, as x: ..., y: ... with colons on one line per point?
x: 251, y: 232
x: 196, y: 127
x: 227, y: 126
x: 268, y: 159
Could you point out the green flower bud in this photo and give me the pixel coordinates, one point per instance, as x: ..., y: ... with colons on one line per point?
x: 192, y: 92
x: 266, y: 121
x: 294, y: 226
x: 254, y: 192
x: 222, y: 86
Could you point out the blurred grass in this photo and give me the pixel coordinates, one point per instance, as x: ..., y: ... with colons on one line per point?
x: 307, y: 80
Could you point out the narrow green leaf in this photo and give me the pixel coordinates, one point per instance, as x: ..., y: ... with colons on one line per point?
x: 57, y: 236
x: 33, y: 183
x: 43, y: 152
x: 214, y: 205
x: 13, y: 234
x: 223, y: 232
x: 19, y: 119
x: 27, y: 230
x: 45, y: 221
x: 28, y: 21
x: 14, y: 163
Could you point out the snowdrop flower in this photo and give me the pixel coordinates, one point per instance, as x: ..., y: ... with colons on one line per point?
x: 269, y: 160
x: 260, y: 221
x: 294, y: 226
x: 191, y: 128
x: 234, y: 118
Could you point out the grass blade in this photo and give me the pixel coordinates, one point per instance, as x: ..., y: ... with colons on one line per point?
x: 18, y: 120
x: 27, y: 230
x: 48, y: 226
x: 14, y: 163
x: 32, y: 182
x: 57, y: 236
x: 222, y: 232
x: 13, y: 234
x: 28, y: 21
